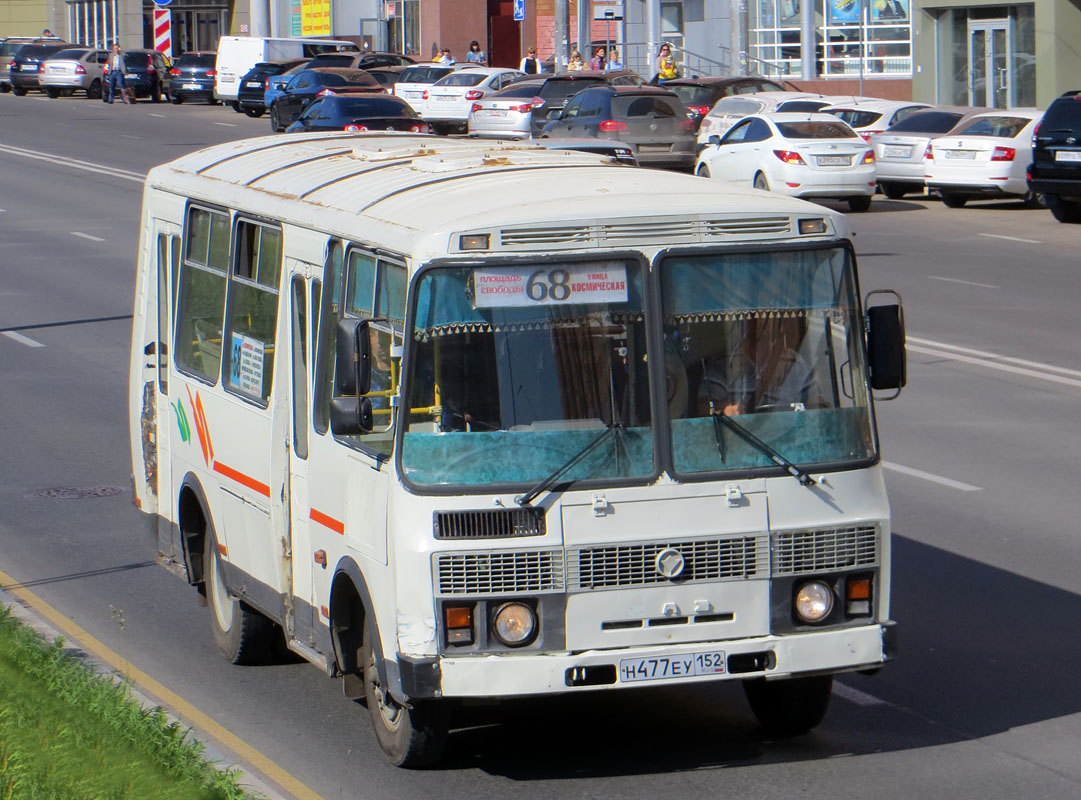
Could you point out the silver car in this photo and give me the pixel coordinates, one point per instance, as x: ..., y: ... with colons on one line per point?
x: 75, y: 69
x: 507, y: 114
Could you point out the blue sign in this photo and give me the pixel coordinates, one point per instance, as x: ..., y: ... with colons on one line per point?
x: 162, y: 3
x: 519, y: 10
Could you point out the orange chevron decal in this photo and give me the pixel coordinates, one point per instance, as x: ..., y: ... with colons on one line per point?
x: 328, y: 522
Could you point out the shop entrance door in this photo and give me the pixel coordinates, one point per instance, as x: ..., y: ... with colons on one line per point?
x: 990, y: 77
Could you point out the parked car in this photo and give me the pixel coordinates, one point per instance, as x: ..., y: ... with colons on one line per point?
x: 275, y: 84
x: 146, y: 72
x: 308, y: 84
x: 358, y: 113
x: 415, y: 80
x: 699, y: 95
x: 26, y: 65
x: 10, y: 46
x: 74, y: 69
x: 1055, y: 173
x: 727, y: 111
x: 868, y: 117
x: 365, y: 59
x: 507, y: 114
x: 192, y: 77
x: 558, y: 89
x: 238, y: 54
x: 899, y: 150
x: 253, y: 85
x: 623, y: 153
x: 800, y: 155
x: 387, y: 76
x: 649, y: 119
x: 985, y: 157
x: 448, y: 101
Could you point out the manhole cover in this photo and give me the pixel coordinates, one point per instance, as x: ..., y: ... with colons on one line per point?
x: 77, y: 493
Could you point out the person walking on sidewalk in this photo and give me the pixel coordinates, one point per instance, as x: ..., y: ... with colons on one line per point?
x: 116, y: 74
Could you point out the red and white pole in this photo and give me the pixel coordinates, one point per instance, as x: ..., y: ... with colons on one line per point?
x: 163, y: 26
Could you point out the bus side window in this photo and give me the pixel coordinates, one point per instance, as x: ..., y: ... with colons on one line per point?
x: 328, y: 322
x: 201, y: 293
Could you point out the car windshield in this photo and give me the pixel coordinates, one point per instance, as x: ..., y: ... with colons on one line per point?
x: 813, y: 129
x: 927, y: 122
x: 515, y: 370
x: 423, y: 74
x: 1063, y: 115
x: 354, y: 78
x: 772, y: 340
x: 462, y: 79
x: 1004, y: 126
x: 855, y: 117
x: 136, y: 60
x: 9, y: 49
x: 73, y: 54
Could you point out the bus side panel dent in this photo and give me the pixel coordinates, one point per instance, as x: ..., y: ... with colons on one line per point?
x: 148, y: 424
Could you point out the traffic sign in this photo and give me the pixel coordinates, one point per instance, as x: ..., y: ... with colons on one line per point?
x: 519, y: 10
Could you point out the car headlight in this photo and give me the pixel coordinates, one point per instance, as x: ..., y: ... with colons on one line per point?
x: 814, y: 601
x: 514, y: 624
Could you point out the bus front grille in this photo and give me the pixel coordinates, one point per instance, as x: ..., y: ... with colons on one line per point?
x: 805, y: 552
x: 507, y: 572
x: 495, y: 523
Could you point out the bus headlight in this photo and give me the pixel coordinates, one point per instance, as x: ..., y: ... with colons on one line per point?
x: 814, y: 601
x: 514, y: 624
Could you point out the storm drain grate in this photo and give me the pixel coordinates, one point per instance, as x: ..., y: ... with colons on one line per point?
x: 76, y: 493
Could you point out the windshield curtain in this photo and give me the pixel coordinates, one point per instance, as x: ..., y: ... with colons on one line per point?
x: 515, y: 370
x: 772, y: 340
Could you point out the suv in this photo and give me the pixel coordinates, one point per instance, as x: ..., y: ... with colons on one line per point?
x: 192, y: 77
x: 360, y: 60
x: 253, y: 85
x: 9, y: 47
x: 26, y: 66
x: 146, y: 73
x: 1055, y: 172
x: 558, y: 89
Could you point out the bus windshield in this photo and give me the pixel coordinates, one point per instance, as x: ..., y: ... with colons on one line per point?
x: 517, y: 369
x: 772, y: 342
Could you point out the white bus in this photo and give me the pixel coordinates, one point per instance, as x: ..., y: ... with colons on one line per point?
x: 474, y: 420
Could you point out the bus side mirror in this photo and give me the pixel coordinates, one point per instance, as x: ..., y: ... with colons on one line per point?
x: 350, y: 410
x: 886, y: 347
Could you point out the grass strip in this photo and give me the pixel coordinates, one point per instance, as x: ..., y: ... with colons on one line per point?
x: 69, y: 734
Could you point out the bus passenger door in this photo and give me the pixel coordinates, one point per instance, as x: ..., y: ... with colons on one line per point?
x: 171, y: 427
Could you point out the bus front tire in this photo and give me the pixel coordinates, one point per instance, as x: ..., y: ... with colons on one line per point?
x: 409, y: 737
x: 241, y: 634
x: 789, y: 707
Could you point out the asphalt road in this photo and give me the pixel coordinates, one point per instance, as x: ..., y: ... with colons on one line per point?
x: 982, y: 467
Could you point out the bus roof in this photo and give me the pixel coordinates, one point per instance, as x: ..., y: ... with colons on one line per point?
x: 416, y: 191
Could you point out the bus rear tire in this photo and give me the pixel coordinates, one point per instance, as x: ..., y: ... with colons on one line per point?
x: 241, y: 634
x: 411, y: 738
x: 789, y: 707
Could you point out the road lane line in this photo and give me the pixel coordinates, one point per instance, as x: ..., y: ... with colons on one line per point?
x: 856, y: 696
x: 1009, y: 238
x: 984, y: 354
x: 82, y: 235
x: 156, y: 115
x: 225, y: 124
x: 966, y: 283
x: 930, y: 476
x: 143, y: 681
x: 18, y: 337
x: 75, y: 163
x: 983, y: 362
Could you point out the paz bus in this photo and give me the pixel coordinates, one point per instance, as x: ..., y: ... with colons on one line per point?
x: 463, y: 420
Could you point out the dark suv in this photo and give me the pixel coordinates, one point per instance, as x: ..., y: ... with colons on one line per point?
x: 1055, y: 172
x: 145, y: 72
x: 558, y: 89
x: 253, y: 85
x: 192, y: 77
x: 26, y: 66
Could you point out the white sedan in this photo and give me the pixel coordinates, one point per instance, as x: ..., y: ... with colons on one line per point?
x: 447, y: 102
x: 983, y: 157
x: 801, y: 155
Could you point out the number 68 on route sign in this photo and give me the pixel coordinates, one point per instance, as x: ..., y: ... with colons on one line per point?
x: 549, y: 284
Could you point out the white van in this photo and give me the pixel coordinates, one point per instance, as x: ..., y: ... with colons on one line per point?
x: 238, y: 54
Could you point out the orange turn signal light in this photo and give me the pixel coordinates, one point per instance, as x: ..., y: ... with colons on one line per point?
x: 858, y: 589
x: 458, y: 617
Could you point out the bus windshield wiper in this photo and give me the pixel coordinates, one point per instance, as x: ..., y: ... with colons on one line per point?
x: 775, y: 457
x: 531, y: 495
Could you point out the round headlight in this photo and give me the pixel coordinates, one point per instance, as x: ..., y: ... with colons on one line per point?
x: 814, y: 601
x: 514, y: 624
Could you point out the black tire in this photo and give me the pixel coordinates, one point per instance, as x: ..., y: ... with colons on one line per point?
x: 1065, y: 210
x: 52, y: 91
x: 703, y: 172
x: 275, y: 122
x: 409, y: 737
x: 254, y: 113
x: 18, y: 91
x: 858, y: 205
x: 760, y: 182
x: 93, y: 91
x: 176, y: 99
x: 235, y: 104
x: 951, y: 200
x: 4, y: 88
x: 789, y: 707
x: 894, y: 191
x: 242, y: 635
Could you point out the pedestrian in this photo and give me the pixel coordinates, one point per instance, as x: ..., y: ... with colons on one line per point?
x: 613, y: 60
x: 47, y: 33
x: 530, y: 65
x: 599, y: 60
x: 475, y: 54
x: 575, y: 64
x: 116, y: 73
x: 447, y: 57
x: 665, y: 66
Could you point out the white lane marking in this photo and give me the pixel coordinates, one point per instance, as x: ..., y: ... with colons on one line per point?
x: 156, y: 115
x: 930, y: 476
x: 129, y: 136
x: 966, y: 283
x: 990, y: 364
x: 1009, y: 238
x: 856, y: 696
x: 82, y: 235
x: 75, y: 163
x: 225, y: 124
x: 18, y: 337
x: 984, y: 354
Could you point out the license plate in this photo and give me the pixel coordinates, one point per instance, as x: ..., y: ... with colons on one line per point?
x: 690, y: 665
x: 834, y: 161
x: 653, y: 148
x: 29, y: 68
x: 896, y: 152
x: 1068, y: 155
x: 495, y: 112
x: 131, y: 77
x: 414, y: 95
x: 970, y: 155
x: 191, y: 86
x: 254, y: 84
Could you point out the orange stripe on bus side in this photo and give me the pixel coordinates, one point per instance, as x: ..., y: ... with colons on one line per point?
x: 242, y: 479
x: 329, y: 522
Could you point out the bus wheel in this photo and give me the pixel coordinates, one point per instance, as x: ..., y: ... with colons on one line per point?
x: 789, y: 707
x: 241, y: 634
x: 409, y: 737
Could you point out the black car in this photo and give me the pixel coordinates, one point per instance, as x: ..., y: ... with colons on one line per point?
x: 558, y: 89
x: 1055, y: 172
x: 26, y: 65
x: 192, y: 77
x: 360, y: 60
x: 252, y: 91
x: 146, y: 72
x: 308, y: 84
x: 369, y: 112
x: 699, y: 94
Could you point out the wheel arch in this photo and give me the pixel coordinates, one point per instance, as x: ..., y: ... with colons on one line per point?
x: 195, y: 522
x: 351, y: 611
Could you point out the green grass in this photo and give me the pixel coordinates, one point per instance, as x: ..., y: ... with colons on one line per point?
x: 69, y: 734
